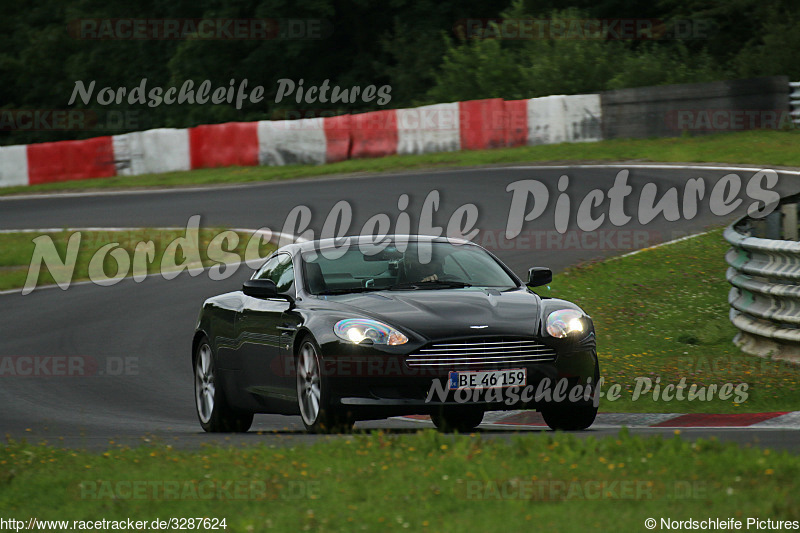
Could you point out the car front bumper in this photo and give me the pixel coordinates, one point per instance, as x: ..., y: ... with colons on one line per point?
x: 376, y: 382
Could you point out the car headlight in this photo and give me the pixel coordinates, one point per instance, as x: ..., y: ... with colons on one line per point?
x: 565, y: 322
x: 358, y: 330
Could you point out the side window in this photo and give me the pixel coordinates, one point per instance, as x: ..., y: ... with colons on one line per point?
x: 279, y: 269
x: 283, y: 275
x: 266, y: 270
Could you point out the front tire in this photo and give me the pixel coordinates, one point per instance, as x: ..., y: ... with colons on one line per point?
x: 460, y: 419
x: 568, y: 416
x: 212, y: 409
x: 313, y: 393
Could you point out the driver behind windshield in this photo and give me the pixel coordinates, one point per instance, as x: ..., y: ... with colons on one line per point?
x: 418, y: 272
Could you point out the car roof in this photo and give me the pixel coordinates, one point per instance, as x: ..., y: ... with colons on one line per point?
x: 355, y: 240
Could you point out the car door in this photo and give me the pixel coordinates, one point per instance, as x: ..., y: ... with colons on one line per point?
x: 262, y: 330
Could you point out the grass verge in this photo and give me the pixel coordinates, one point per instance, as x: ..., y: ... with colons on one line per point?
x: 662, y: 314
x: 17, y: 250
x: 758, y: 147
x: 416, y: 482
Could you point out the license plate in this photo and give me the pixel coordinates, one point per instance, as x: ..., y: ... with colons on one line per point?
x: 488, y: 379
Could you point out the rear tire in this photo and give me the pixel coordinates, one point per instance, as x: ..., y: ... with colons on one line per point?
x: 313, y: 393
x: 212, y: 409
x: 460, y: 419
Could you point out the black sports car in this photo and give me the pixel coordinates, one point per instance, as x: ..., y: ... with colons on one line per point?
x: 347, y: 329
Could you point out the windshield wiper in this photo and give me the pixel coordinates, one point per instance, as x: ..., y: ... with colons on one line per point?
x: 433, y: 284
x: 328, y: 292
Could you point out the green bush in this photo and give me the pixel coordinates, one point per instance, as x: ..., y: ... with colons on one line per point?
x: 514, y: 69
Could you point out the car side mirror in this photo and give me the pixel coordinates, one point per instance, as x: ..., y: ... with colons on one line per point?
x: 538, y: 276
x: 260, y: 288
x: 264, y: 288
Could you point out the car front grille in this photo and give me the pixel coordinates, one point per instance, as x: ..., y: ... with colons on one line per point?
x: 475, y: 353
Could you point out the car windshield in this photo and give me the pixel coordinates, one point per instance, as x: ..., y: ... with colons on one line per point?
x: 412, y: 266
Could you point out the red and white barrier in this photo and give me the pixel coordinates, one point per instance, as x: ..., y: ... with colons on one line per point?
x: 482, y: 124
x: 373, y: 134
x: 286, y: 142
x: 337, y: 138
x: 546, y: 120
x: 70, y: 160
x: 558, y: 119
x: 428, y: 129
x: 13, y: 165
x: 151, y: 151
x: 516, y: 116
x: 307, y: 140
x: 224, y: 145
x: 473, y: 125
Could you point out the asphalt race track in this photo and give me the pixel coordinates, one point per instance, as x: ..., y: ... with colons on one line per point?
x: 148, y: 326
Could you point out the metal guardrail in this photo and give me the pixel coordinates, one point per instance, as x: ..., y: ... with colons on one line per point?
x: 764, y: 272
x: 794, y: 101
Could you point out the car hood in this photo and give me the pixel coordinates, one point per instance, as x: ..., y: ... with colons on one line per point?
x: 446, y: 313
